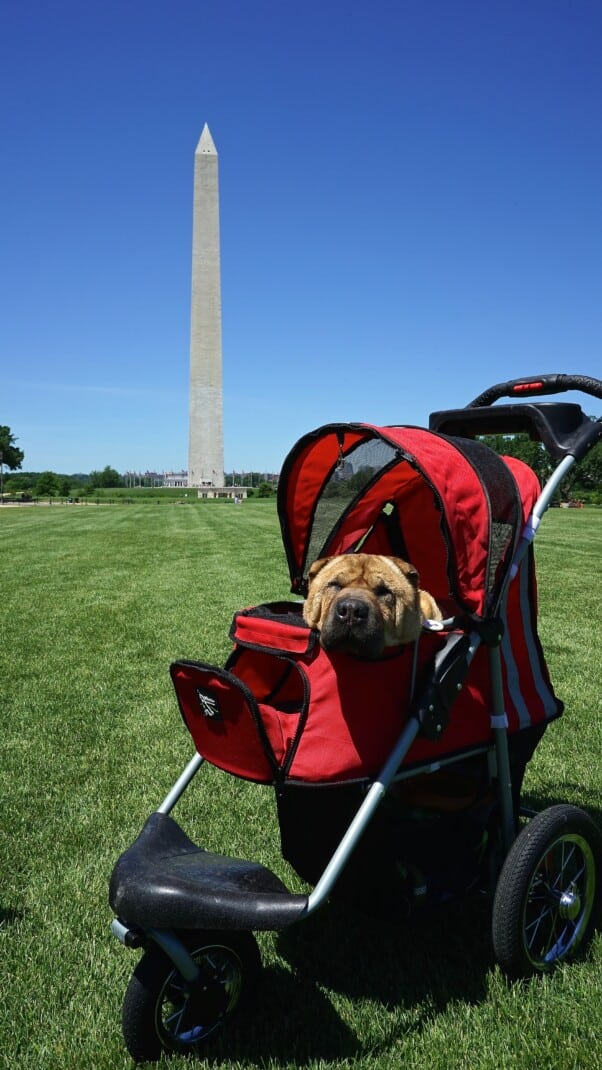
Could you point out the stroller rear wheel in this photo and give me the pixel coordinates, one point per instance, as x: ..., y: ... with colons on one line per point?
x: 549, y: 893
x: 163, y: 1012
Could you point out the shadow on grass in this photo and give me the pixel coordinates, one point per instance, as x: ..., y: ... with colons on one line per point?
x: 438, y: 956
x: 413, y: 971
x: 9, y: 916
x: 290, y: 1021
x: 562, y: 793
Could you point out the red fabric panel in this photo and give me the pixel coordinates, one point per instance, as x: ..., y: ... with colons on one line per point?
x: 305, y: 479
x: 469, y: 722
x: 527, y: 482
x: 230, y: 739
x: 467, y: 517
x: 258, y: 631
x: 420, y: 525
x: 356, y: 714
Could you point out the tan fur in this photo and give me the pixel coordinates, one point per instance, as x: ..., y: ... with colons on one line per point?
x: 363, y: 603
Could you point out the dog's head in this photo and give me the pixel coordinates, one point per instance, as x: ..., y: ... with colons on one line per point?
x: 363, y: 603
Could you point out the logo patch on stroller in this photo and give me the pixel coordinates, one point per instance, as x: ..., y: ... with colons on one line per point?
x: 209, y: 705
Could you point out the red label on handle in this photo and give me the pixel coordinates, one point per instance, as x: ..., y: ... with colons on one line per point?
x: 524, y: 388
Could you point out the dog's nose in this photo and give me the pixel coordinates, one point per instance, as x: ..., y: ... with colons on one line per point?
x: 351, y: 610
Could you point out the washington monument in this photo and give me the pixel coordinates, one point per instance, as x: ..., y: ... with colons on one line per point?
x: 206, y: 430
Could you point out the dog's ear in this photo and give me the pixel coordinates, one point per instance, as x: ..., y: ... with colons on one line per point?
x: 312, y: 607
x: 317, y: 567
x: 428, y: 607
x: 408, y: 571
x: 412, y: 575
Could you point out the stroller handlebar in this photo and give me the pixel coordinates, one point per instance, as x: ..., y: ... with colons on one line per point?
x: 563, y: 428
x: 536, y: 385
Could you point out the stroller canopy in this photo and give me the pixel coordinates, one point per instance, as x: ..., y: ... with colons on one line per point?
x: 451, y: 506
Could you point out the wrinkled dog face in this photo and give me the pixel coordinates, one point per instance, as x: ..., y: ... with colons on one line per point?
x: 362, y: 603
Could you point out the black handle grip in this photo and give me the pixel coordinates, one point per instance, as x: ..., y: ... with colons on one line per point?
x: 536, y: 385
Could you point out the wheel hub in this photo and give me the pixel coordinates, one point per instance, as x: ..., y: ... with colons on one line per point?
x: 569, y: 906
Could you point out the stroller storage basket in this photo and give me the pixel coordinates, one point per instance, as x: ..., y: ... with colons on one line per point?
x: 283, y: 709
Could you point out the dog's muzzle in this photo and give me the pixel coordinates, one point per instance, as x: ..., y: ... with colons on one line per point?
x: 353, y: 628
x: 351, y: 611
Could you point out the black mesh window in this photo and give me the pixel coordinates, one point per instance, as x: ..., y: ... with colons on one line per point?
x: 356, y: 469
x: 504, y: 507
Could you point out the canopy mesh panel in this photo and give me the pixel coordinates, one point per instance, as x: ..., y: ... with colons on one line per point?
x: 361, y: 466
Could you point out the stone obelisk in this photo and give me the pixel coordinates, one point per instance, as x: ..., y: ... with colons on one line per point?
x: 206, y: 431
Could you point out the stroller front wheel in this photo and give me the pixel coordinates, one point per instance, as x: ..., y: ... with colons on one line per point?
x: 549, y: 893
x: 163, y: 1012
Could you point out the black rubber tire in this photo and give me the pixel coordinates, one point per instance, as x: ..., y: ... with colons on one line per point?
x: 161, y: 1012
x: 549, y: 893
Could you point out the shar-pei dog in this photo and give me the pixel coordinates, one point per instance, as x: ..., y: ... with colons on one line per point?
x: 363, y: 603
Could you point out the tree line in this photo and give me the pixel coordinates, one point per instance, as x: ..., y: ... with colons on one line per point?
x: 583, y: 482
x: 56, y: 484
x: 19, y: 484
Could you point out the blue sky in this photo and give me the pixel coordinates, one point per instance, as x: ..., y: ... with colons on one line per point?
x: 411, y: 210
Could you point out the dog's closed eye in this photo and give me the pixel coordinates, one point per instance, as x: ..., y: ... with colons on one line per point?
x: 382, y: 591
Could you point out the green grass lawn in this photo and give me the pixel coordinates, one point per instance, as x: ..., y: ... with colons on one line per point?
x: 95, y: 602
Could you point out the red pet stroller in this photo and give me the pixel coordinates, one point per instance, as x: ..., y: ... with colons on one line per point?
x: 397, y: 781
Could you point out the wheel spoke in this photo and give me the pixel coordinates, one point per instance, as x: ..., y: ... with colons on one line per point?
x: 579, y: 874
x: 564, y: 862
x: 553, y: 938
x: 536, y: 924
x: 173, y: 1022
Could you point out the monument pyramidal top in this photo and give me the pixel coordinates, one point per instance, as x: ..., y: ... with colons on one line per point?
x: 206, y: 143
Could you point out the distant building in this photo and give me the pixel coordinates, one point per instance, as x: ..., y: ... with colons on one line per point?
x: 237, y: 494
x: 175, y: 479
x: 144, y: 479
